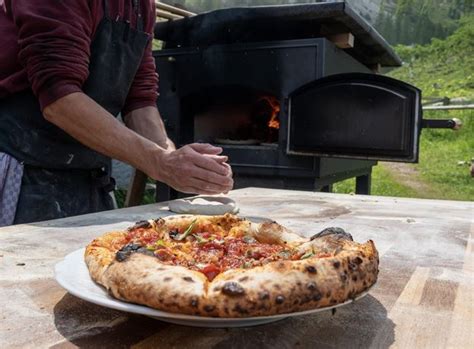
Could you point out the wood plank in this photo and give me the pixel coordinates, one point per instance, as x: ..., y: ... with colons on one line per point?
x: 422, y: 300
x: 449, y: 107
x: 461, y: 332
x: 173, y: 9
x: 167, y: 15
x: 342, y: 40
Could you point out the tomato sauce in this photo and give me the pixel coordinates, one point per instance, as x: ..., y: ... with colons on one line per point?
x: 211, y: 254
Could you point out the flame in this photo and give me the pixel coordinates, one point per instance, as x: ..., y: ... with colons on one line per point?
x: 275, y: 106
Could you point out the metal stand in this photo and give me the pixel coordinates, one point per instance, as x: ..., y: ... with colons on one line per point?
x: 363, y: 184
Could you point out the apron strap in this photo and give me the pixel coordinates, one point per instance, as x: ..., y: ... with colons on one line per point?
x: 106, y: 9
x: 136, y: 4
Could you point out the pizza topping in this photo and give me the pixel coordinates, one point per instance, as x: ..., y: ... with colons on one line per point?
x: 210, y: 248
x: 285, y: 254
x: 127, y: 250
x: 159, y: 244
x: 174, y: 234
x: 232, y: 288
x: 186, y: 233
x: 200, y: 239
x: 211, y: 271
x: 164, y: 254
x: 307, y: 255
x: 249, y: 239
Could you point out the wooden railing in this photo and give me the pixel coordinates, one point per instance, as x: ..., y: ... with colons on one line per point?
x: 168, y: 12
x: 446, y: 103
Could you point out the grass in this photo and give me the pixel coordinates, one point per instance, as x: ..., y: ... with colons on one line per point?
x: 439, y: 156
x: 383, y: 183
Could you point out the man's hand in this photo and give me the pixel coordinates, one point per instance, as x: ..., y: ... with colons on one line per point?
x: 195, y: 169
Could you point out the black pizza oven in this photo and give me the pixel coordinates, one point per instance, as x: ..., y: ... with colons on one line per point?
x: 290, y: 108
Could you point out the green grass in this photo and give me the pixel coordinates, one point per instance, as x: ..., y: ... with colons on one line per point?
x: 440, y: 152
x: 383, y: 183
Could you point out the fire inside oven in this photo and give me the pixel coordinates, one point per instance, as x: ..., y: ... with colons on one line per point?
x: 237, y: 117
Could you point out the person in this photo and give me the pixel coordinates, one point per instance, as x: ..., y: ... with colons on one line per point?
x: 67, y: 69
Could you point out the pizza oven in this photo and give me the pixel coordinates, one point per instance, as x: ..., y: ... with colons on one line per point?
x: 291, y: 93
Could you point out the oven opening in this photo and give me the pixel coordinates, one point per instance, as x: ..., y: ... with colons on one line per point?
x: 235, y: 117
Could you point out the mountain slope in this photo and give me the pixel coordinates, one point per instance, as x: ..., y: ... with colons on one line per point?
x: 444, y: 67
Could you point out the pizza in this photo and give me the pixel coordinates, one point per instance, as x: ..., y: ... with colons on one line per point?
x: 228, y: 266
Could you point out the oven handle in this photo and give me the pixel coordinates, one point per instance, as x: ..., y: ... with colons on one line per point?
x: 454, y: 124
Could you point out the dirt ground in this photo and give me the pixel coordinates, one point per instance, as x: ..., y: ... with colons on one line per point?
x: 408, y: 175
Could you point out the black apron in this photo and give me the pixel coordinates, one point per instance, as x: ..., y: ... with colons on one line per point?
x: 62, y: 177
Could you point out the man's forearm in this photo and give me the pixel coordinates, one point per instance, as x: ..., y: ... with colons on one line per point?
x: 148, y: 123
x: 194, y: 168
x: 93, y: 126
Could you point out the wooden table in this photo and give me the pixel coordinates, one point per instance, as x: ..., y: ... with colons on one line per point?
x: 424, y: 296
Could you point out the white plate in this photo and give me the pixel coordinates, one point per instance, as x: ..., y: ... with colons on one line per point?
x: 72, y: 274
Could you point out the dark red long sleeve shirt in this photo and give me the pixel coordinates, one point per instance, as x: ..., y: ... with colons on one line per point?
x: 35, y: 33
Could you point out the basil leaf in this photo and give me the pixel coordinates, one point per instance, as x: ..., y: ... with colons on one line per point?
x: 160, y: 243
x: 307, y: 255
x: 186, y: 233
x: 200, y: 239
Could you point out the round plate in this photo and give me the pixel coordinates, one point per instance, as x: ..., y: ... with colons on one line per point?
x: 73, y: 275
x: 204, y: 205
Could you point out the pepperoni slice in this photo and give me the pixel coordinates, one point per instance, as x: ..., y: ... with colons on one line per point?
x: 211, y: 271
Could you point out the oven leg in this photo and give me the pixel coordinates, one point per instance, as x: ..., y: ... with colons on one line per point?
x: 326, y: 188
x: 363, y: 183
x: 165, y: 192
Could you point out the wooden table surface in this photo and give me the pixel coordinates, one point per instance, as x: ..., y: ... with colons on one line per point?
x: 424, y: 297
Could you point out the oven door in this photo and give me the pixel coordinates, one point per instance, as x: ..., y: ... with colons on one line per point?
x: 361, y: 116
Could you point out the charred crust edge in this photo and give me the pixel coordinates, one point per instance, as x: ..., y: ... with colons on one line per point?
x: 232, y: 288
x: 339, y: 234
x: 140, y: 224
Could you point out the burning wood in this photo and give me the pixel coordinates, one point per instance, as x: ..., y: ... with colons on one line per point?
x: 274, y: 105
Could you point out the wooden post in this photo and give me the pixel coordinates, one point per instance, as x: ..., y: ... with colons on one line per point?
x: 136, y: 189
x: 376, y: 68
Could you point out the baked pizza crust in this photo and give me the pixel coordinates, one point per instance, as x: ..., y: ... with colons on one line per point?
x: 275, y: 288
